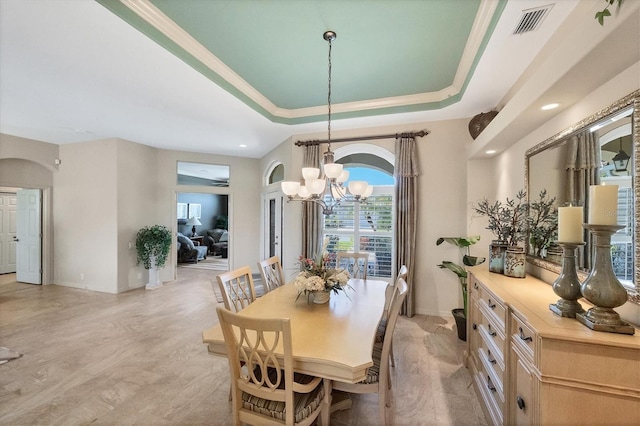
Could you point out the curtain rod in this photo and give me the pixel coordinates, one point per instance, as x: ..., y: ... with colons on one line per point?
x: 420, y: 134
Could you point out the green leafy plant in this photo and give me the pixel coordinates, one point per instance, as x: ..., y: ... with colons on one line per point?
x: 542, y: 222
x: 153, y: 241
x: 508, y: 220
x: 463, y: 243
x: 605, y: 12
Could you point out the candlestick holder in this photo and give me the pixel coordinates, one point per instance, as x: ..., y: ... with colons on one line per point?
x: 602, y: 287
x: 567, y: 285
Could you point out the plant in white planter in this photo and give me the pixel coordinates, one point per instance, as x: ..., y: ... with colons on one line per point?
x: 463, y: 243
x: 152, y: 246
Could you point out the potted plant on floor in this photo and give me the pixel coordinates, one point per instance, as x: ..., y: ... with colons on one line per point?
x: 463, y: 244
x: 152, y: 246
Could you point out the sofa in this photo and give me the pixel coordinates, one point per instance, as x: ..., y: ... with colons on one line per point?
x: 188, y: 251
x: 218, y: 242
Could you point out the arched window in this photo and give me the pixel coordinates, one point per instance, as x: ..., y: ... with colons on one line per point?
x: 276, y: 175
x: 366, y: 227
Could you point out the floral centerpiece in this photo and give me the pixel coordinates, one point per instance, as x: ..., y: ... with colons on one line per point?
x: 316, y: 278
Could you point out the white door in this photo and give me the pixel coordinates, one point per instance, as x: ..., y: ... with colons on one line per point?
x: 8, y: 219
x: 29, y: 237
x: 273, y: 238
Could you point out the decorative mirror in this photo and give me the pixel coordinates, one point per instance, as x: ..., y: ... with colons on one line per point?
x: 602, y: 148
x: 201, y: 174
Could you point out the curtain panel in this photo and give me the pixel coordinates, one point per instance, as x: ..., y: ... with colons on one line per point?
x: 582, y: 171
x: 311, y: 212
x: 406, y: 173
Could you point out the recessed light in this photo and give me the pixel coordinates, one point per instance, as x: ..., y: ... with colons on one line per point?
x: 491, y: 151
x: 243, y: 145
x: 547, y: 107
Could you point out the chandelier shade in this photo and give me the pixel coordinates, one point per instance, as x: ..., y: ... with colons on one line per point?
x: 326, y: 186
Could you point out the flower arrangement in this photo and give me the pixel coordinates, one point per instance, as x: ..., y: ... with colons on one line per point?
x: 315, y: 276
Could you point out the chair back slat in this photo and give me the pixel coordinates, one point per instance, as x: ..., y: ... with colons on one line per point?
x: 271, y: 272
x: 261, y: 363
x: 237, y: 288
x: 356, y: 264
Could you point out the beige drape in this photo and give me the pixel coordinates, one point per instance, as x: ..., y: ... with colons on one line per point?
x: 406, y: 194
x: 311, y: 212
x: 583, y: 170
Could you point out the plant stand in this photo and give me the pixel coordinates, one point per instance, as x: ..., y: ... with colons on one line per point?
x: 154, y: 276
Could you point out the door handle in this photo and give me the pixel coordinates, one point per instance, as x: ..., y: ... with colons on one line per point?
x: 15, y: 239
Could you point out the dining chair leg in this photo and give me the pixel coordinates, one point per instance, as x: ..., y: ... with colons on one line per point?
x: 393, y: 361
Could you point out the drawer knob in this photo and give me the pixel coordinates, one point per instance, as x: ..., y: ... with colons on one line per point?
x: 492, y: 305
x: 474, y: 326
x: 491, y: 360
x: 520, y: 402
x: 490, y: 385
x: 522, y: 336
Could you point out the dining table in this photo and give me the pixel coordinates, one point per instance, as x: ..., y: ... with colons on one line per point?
x: 333, y: 340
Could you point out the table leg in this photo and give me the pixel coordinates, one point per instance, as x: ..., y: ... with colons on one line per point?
x: 326, y: 403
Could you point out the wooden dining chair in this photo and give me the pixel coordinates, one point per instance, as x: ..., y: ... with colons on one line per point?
x: 355, y: 263
x: 378, y: 375
x: 237, y: 288
x: 265, y: 388
x: 271, y: 272
x: 388, y: 298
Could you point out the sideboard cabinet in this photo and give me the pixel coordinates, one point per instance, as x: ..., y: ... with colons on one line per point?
x: 532, y: 367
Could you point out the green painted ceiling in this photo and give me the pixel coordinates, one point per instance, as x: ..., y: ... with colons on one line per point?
x: 384, y: 48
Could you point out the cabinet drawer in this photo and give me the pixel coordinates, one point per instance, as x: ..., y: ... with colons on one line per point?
x: 493, y: 361
x: 523, y: 336
x: 492, y: 306
x: 493, y: 397
x: 492, y: 336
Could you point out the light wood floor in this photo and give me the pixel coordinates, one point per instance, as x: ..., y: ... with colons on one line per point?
x: 138, y: 358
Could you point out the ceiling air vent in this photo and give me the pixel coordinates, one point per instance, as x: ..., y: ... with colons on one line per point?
x: 532, y: 18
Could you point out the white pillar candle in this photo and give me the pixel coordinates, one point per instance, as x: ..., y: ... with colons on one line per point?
x: 570, y: 221
x: 603, y: 205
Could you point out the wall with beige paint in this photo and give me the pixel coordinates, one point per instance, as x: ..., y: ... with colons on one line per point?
x: 85, y: 216
x: 137, y: 206
x: 244, y: 203
x: 42, y: 153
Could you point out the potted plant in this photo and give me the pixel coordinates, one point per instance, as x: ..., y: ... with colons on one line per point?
x: 152, y: 246
x: 463, y: 243
x: 508, y: 222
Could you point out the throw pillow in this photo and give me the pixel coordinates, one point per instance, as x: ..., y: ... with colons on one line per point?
x: 184, y: 240
x: 224, y: 237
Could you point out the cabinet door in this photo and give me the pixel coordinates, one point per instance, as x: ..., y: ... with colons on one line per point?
x: 523, y: 401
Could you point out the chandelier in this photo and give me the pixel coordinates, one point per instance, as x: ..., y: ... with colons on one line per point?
x: 327, y: 187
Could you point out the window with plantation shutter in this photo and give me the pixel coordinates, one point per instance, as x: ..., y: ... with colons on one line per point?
x: 622, y: 241
x: 364, y: 227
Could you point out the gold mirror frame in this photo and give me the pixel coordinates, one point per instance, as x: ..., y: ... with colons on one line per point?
x: 633, y: 99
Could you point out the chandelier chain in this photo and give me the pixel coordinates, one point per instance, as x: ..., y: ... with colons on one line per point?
x: 329, y: 101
